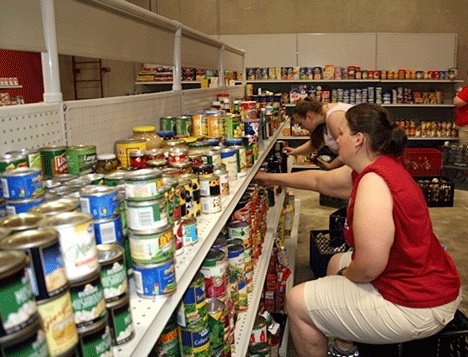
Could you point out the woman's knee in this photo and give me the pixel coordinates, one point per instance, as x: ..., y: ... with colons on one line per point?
x: 295, y: 299
x: 334, y: 264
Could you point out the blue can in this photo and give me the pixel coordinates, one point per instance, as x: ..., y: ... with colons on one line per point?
x: 108, y: 230
x: 155, y: 280
x: 100, y: 201
x: 22, y: 206
x: 25, y: 182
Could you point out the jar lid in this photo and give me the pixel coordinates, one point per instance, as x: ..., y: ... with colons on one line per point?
x: 106, y: 156
x: 144, y: 129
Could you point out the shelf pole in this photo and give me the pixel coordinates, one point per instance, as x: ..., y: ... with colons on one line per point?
x: 50, y: 67
x: 176, y: 75
x: 221, y: 79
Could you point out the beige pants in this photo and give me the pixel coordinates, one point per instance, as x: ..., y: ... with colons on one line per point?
x: 357, y: 312
x: 463, y: 135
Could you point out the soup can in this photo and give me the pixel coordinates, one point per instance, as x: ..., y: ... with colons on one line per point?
x: 23, y: 205
x: 151, y: 246
x: 214, y: 271
x: 195, y: 340
x: 108, y: 230
x: 168, y: 123
x: 116, y: 178
x: 87, y: 297
x: 22, y: 221
x: 120, y: 320
x: 100, y: 201
x: 45, y: 263
x: 259, y: 349
x: 199, y: 125
x: 184, y: 126
x: 211, y: 204
x: 220, y: 170
x: 77, y: 243
x: 22, y: 183
x: 155, y: 280
x: 52, y: 208
x: 189, y: 227
x: 81, y: 159
x: 192, y: 308
x: 18, y: 307
x: 168, y: 342
x: 30, y: 341
x: 216, y: 322
x: 58, y: 324
x: 259, y: 330
x: 95, y: 340
x: 12, y: 161
x: 113, y: 271
x: 124, y: 147
x: 229, y: 158
x: 143, y: 185
x: 54, y: 160
x: 149, y: 214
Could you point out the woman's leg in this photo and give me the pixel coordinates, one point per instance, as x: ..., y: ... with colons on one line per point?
x: 308, y: 340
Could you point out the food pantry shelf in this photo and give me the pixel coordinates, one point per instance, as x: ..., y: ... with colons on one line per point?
x: 151, y: 315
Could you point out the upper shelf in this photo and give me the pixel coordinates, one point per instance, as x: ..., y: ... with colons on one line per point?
x: 10, y: 87
x: 356, y: 81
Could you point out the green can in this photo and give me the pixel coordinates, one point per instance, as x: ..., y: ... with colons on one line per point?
x: 216, y: 322
x: 12, y: 161
x: 33, y: 157
x: 54, y: 160
x: 168, y: 342
x: 183, y: 126
x: 81, y: 159
x: 168, y: 124
x: 195, y: 340
x: 192, y: 308
x: 95, y: 340
x: 260, y: 349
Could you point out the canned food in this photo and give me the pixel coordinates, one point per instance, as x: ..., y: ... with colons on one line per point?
x: 87, y: 297
x: 23, y: 205
x: 194, y: 190
x: 157, y: 164
x: 22, y: 221
x: 54, y: 207
x: 199, y: 125
x: 229, y: 158
x: 95, y: 340
x: 178, y: 232
x: 81, y: 159
x: 155, y: 280
x: 63, y: 178
x: 216, y: 322
x: 211, y: 204
x: 100, y: 201
x: 241, y: 159
x: 260, y: 349
x: 213, y: 122
x: 54, y: 160
x: 172, y: 197
x: 22, y: 183
x: 259, y: 331
x: 212, y: 157
x: 138, y: 159
x: 214, y: 271
x: 195, y: 340
x: 177, y: 154
x: 77, y: 243
x: 168, y: 123
x: 233, y: 127
x: 168, y: 342
x: 241, y: 230
x: 150, y: 214
x: 188, y: 192
x: 236, y: 260
x: 183, y: 126
x: 33, y: 157
x: 58, y: 324
x: 151, y: 246
x: 209, y: 185
x: 192, y: 308
x: 143, y: 185
x: 113, y: 271
x: 29, y: 341
x: 12, y: 161
x: 108, y: 230
x: 202, y: 169
x: 18, y: 307
x: 189, y: 227
x: 124, y: 147
x: 95, y: 179
x: 45, y: 263
x: 120, y: 321
x: 115, y: 178
x: 106, y: 163
x: 220, y: 170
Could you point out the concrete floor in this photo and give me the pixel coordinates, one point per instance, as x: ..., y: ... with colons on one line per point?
x: 450, y: 225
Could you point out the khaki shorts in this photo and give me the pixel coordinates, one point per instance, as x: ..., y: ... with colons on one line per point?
x: 357, y: 312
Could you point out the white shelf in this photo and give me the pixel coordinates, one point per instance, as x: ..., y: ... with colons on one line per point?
x: 10, y: 87
x: 151, y: 315
x: 291, y: 247
x: 306, y: 166
x: 288, y: 137
x: 165, y: 83
x: 354, y: 81
x: 421, y: 81
x: 246, y: 319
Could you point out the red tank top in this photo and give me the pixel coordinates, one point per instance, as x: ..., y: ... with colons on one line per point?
x: 419, y: 273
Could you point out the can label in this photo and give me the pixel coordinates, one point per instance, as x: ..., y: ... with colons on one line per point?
x: 214, y: 272
x: 241, y: 230
x: 199, y: 125
x: 146, y: 214
x: 229, y: 158
x: 88, y: 301
x: 10, y: 162
x: 100, y: 203
x: 123, y: 149
x: 35, y: 346
x: 223, y: 181
x: 13, y: 207
x: 81, y: 159
x: 155, y: 280
x: 216, y: 323
x: 233, y: 127
x: 195, y: 341
x: 184, y: 126
x: 152, y: 247
x: 209, y: 185
x: 168, y: 342
x: 54, y: 161
x: 211, y: 204
x: 178, y: 231
x: 22, y: 183
x: 168, y: 124
x: 114, y: 280
x: 59, y: 325
x: 144, y: 189
x: 213, y: 119
x: 190, y: 235
x: 192, y: 309
x: 108, y: 230
x: 97, y: 344
x: 17, y: 303
x: 259, y: 331
x: 121, y: 323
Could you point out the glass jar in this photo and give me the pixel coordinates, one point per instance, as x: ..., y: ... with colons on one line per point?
x: 174, y: 143
x: 148, y: 133
x: 106, y: 163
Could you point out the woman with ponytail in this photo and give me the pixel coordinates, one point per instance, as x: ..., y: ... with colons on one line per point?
x: 397, y: 283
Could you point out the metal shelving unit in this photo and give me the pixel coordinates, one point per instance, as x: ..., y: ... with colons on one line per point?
x: 10, y: 87
x: 151, y: 315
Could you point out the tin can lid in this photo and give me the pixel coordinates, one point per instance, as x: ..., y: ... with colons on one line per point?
x: 109, y: 252
x: 22, y: 171
x: 144, y: 129
x: 10, y: 262
x: 31, y: 238
x: 22, y: 221
x: 67, y: 219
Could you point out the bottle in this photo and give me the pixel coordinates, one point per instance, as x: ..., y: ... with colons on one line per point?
x: 148, y: 133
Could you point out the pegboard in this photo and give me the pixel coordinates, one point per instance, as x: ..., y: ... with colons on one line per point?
x: 31, y: 126
x: 265, y: 50
x: 103, y: 121
x: 418, y: 51
x: 339, y: 49
x: 196, y: 100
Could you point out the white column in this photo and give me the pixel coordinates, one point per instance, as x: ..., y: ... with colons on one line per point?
x: 50, y: 68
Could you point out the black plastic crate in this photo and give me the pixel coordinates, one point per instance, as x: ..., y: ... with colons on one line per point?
x: 452, y: 341
x: 321, y: 251
x: 438, y: 190
x: 336, y: 222
x: 455, y: 155
x: 334, y: 202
